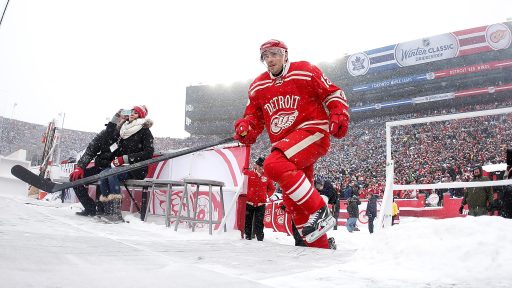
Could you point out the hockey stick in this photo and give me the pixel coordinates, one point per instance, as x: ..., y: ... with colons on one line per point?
x: 131, y: 196
x: 49, y: 186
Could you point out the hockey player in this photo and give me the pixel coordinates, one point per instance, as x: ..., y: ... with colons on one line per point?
x: 290, y: 101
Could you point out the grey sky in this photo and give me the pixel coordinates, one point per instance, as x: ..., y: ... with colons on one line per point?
x: 88, y: 58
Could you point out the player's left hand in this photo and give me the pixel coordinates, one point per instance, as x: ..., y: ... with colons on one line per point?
x: 244, y: 133
x: 338, y: 124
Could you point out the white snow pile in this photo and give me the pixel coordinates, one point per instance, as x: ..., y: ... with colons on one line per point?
x: 44, y: 244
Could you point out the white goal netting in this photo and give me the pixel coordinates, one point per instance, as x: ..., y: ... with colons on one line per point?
x: 438, y: 152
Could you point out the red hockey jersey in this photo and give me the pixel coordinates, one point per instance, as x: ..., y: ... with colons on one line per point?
x: 293, y: 101
x: 259, y: 188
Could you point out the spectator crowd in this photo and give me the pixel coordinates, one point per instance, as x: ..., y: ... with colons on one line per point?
x: 426, y: 153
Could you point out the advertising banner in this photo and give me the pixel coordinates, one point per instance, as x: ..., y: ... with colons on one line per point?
x: 425, y: 50
x: 456, y: 71
x: 431, y: 98
x: 440, y: 47
x: 225, y: 165
x: 473, y: 69
x: 390, y: 82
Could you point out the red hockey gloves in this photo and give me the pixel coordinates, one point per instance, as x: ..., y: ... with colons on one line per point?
x: 244, y: 132
x: 338, y: 123
x: 118, y: 161
x: 78, y: 173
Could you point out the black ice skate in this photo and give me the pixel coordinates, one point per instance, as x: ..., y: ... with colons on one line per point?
x: 332, y: 243
x: 318, y: 224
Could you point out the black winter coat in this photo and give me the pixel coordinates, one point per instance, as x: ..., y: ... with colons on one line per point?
x: 353, y: 207
x: 506, y: 210
x: 329, y: 192
x: 99, y: 148
x: 138, y: 147
x: 371, y: 209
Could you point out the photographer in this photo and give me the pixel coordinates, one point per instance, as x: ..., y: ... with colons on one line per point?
x: 98, y: 149
x: 325, y: 188
x: 353, y: 213
x: 479, y: 199
x: 506, y: 199
x: 135, y: 144
x: 371, y: 210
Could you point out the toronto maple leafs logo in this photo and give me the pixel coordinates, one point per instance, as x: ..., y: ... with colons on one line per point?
x: 358, y: 64
x: 282, y: 121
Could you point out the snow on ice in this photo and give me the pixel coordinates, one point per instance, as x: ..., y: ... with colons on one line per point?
x: 44, y: 244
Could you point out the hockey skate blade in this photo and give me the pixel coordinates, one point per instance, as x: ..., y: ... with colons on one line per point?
x: 327, y: 225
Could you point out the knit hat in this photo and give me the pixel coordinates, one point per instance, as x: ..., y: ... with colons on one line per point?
x: 141, y: 110
x: 260, y: 161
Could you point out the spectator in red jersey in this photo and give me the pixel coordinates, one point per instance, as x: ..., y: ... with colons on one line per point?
x: 299, y: 107
x: 259, y: 189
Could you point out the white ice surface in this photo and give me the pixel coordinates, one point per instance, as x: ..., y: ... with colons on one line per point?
x: 44, y: 244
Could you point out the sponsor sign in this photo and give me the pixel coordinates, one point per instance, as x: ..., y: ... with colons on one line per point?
x: 431, y: 98
x: 390, y: 82
x: 473, y: 68
x: 424, y: 50
x: 459, y: 43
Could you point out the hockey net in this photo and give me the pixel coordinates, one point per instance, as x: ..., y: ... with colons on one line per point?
x: 420, y: 151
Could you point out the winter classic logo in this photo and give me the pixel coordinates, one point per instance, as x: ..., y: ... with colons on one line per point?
x: 425, y: 50
x: 498, y: 36
x: 282, y: 121
x: 358, y: 64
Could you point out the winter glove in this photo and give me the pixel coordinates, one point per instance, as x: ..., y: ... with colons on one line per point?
x: 118, y: 161
x: 78, y: 173
x: 244, y: 132
x: 461, y: 208
x: 338, y: 123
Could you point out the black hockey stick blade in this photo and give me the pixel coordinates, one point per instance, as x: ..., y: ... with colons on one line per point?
x: 46, y: 185
x: 27, y: 176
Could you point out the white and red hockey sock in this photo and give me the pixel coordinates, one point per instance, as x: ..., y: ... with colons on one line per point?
x: 296, y: 185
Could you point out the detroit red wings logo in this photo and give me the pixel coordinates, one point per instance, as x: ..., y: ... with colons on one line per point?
x: 498, y: 35
x: 282, y: 121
